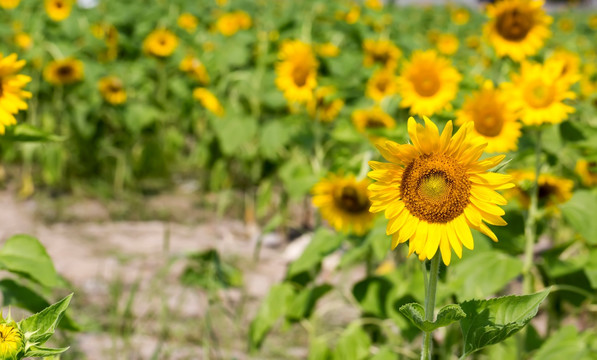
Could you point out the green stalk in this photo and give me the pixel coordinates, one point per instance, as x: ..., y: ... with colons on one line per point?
x: 430, y: 291
x: 530, y: 228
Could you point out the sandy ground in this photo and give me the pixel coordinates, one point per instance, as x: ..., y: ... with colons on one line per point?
x: 111, y: 263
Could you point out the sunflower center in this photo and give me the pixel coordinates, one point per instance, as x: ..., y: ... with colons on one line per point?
x: 374, y: 123
x: 300, y: 74
x: 514, y: 25
x: 59, y: 4
x: 382, y: 84
x: 426, y: 82
x: 65, y: 70
x: 381, y: 57
x: 435, y: 188
x: 352, y: 201
x: 488, y: 122
x: 114, y: 87
x: 1, y: 88
x: 539, y: 95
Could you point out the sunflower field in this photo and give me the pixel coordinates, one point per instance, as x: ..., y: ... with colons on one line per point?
x: 372, y: 180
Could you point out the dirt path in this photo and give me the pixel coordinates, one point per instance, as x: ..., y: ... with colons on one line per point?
x: 110, y: 264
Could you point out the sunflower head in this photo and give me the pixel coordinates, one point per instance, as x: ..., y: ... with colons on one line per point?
x: 427, y: 83
x: 569, y: 64
x: 11, y: 340
x: 539, y: 91
x: 344, y: 203
x: 58, y: 10
x: 460, y: 16
x: 327, y: 50
x: 587, y: 170
x: 12, y: 95
x: 372, y: 119
x: 160, y: 43
x: 229, y: 24
x: 381, y: 52
x: 297, y: 71
x: 209, y: 101
x: 381, y: 84
x: 188, y: 22
x: 493, y: 118
x: 9, y: 4
x: 112, y: 90
x: 64, y: 72
x: 436, y: 189
x: 447, y: 44
x: 325, y: 105
x: 194, y: 68
x: 553, y: 190
x: 517, y: 28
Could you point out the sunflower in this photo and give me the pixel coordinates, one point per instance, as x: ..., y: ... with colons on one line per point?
x: 112, y: 90
x: 11, y: 341
x: 324, y: 106
x: 327, y: 50
x: 473, y: 41
x: 160, y: 43
x: 373, y: 4
x: 344, y: 203
x: 493, y: 117
x: 58, y: 10
x: 381, y: 85
x: 373, y: 118
x: 194, y: 68
x: 460, y: 16
x: 297, y: 71
x: 229, y: 24
x: 553, y: 190
x: 188, y: 22
x: 63, y: 72
x: 565, y: 25
x: 571, y: 67
x: 381, y: 52
x: 517, y: 28
x: 209, y: 101
x: 538, y: 92
x: 435, y: 190
x: 592, y: 22
x: 447, y: 44
x: 587, y: 170
x: 9, y: 4
x: 23, y: 40
x: 109, y: 34
x: 11, y: 90
x: 427, y: 83
x: 351, y: 16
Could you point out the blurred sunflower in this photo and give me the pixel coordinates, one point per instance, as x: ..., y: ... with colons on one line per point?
x: 588, y: 80
x: 447, y: 44
x: 229, y: 24
x: 194, y: 68
x: 351, y: 16
x: 373, y: 118
x: 11, y: 344
x: 517, y: 28
x: 112, y: 89
x: 188, y: 22
x: 23, y: 40
x: 381, y: 84
x: 587, y: 170
x: 373, y: 4
x: 9, y: 4
x: 460, y: 16
x: 63, y: 72
x: 571, y: 67
x: 427, y: 83
x: 538, y: 92
x: 553, y: 190
x: 327, y: 50
x: 343, y: 202
x: 565, y: 25
x: 324, y: 106
x: 58, y: 10
x: 381, y: 52
x: 473, y: 41
x: 160, y: 43
x: 297, y: 71
x: 209, y: 101
x: 592, y: 22
x: 11, y: 90
x: 109, y: 34
x: 436, y: 189
x: 493, y: 117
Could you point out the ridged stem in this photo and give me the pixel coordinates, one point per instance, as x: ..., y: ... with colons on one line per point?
x: 430, y: 291
x: 530, y: 228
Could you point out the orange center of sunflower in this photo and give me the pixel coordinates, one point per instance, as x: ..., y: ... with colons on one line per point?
x: 374, y: 122
x: 514, y: 25
x: 382, y: 84
x: 539, y: 95
x: 300, y: 74
x: 1, y: 88
x: 435, y: 188
x: 65, y: 70
x: 426, y: 82
x: 488, y: 122
x: 381, y: 57
x: 351, y: 200
x: 59, y: 4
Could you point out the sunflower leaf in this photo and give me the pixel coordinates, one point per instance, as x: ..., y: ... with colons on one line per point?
x: 489, y: 322
x: 447, y: 315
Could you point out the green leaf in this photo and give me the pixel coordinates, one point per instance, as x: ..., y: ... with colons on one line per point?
x: 272, y: 308
x: 372, y: 294
x: 324, y: 242
x: 353, y: 344
x: 446, y: 315
x: 304, y: 302
x: 43, y: 324
x: 234, y: 131
x: 273, y: 138
x: 25, y: 255
x: 26, y: 132
x: 36, y: 351
x: 318, y: 349
x: 489, y: 322
x: 482, y: 274
x: 207, y: 270
x: 18, y: 295
x: 564, y: 344
x: 580, y: 211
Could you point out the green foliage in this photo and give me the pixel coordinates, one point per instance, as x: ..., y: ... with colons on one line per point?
x: 207, y: 270
x: 580, y: 213
x: 446, y: 316
x: 566, y: 343
x: 25, y: 255
x: 272, y: 308
x: 353, y: 344
x: 324, y: 241
x: 489, y: 322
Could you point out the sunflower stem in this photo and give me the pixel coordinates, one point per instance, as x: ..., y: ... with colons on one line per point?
x: 430, y: 290
x: 530, y: 228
